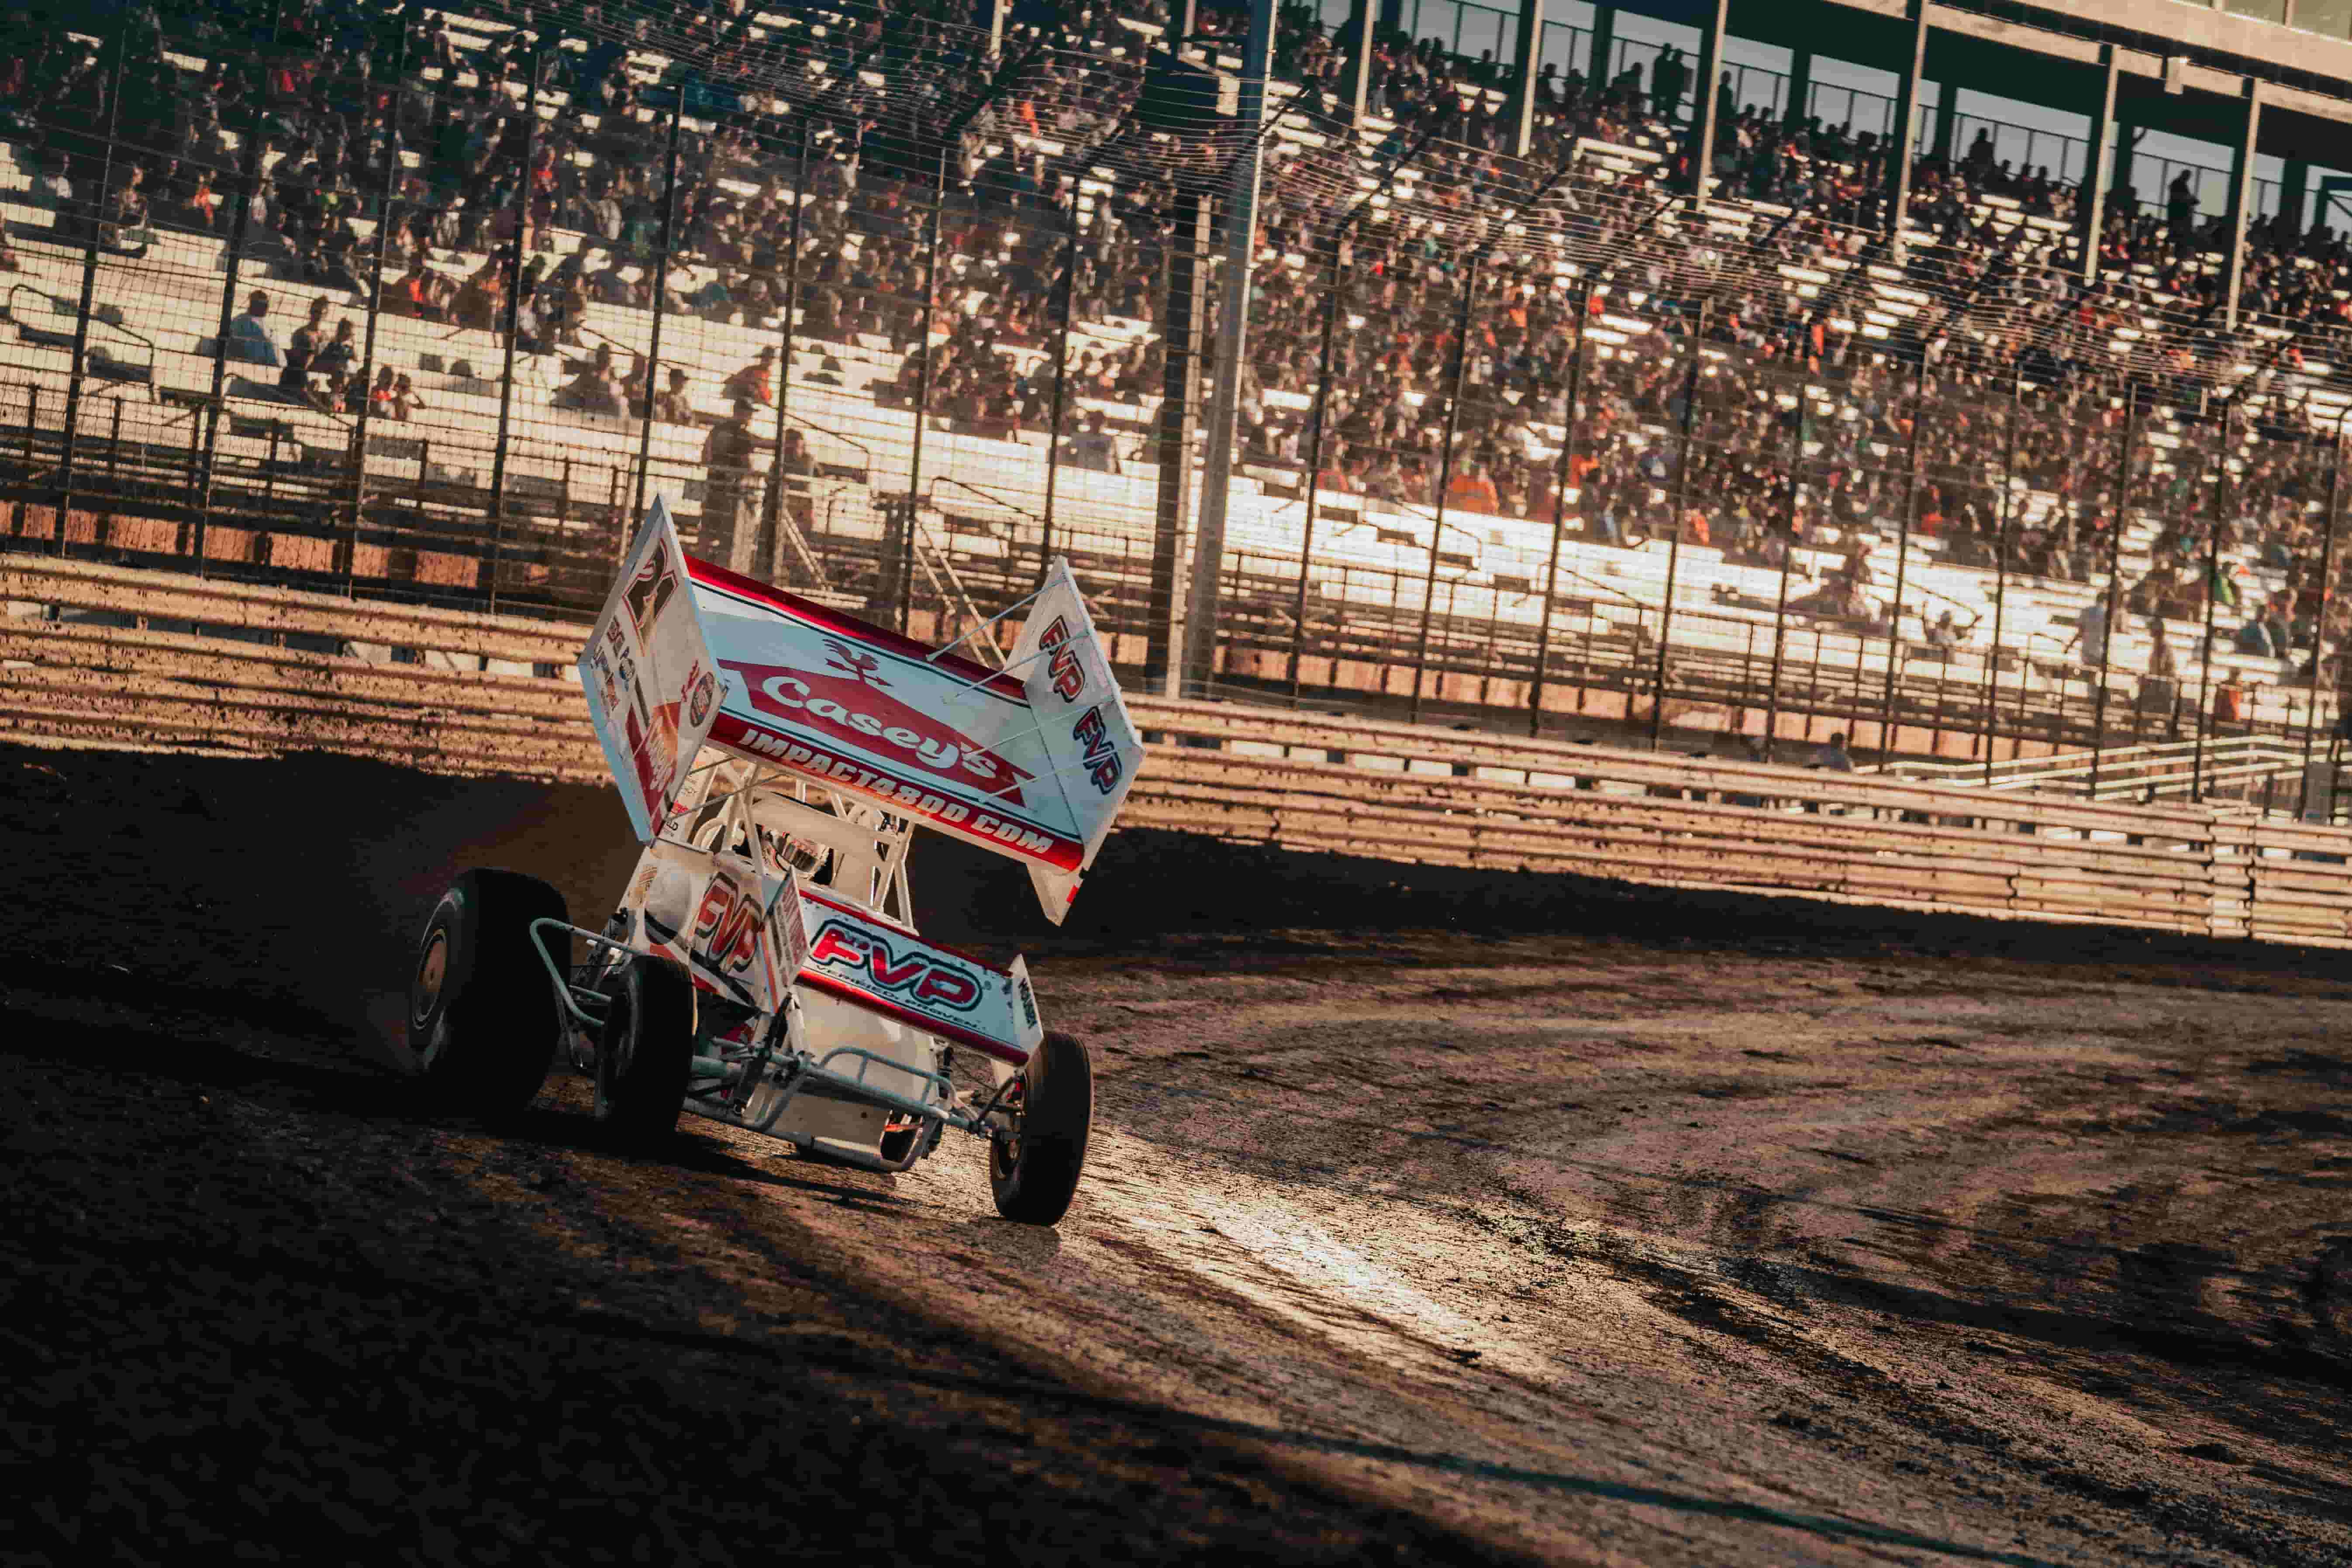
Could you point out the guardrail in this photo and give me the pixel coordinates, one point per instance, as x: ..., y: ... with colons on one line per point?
x: 389, y: 685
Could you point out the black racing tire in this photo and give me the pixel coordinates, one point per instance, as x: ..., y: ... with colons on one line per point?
x: 483, y: 1019
x: 1035, y: 1175
x: 644, y: 1059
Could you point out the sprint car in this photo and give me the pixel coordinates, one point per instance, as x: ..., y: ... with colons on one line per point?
x: 762, y: 967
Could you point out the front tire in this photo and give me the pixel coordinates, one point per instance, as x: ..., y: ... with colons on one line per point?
x: 645, y: 1059
x: 483, y: 1020
x: 1035, y: 1174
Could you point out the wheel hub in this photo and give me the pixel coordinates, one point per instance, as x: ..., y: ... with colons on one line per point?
x: 432, y: 973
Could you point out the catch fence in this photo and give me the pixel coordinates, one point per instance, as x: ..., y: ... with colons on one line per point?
x: 1558, y: 489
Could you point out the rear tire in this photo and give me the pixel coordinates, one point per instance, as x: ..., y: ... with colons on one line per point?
x: 1035, y: 1175
x: 483, y: 1020
x: 646, y: 1058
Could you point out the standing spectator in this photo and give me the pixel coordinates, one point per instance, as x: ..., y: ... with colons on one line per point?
x: 2091, y: 631
x: 731, y: 529
x: 1092, y: 448
x: 794, y: 468
x: 249, y: 337
x: 1834, y: 756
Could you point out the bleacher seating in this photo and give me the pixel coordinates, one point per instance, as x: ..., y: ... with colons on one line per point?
x: 1818, y: 353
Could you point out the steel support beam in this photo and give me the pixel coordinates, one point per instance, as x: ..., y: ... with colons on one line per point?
x: 2242, y: 206
x: 1801, y: 87
x: 1907, y: 124
x: 1355, y: 80
x: 1180, y: 397
x: 2097, y: 169
x: 1604, y: 44
x: 1519, y: 114
x: 1704, y: 128
x: 1240, y: 215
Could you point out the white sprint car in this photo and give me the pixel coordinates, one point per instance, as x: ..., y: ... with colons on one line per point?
x: 763, y: 968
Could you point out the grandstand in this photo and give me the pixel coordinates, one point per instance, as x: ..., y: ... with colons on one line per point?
x: 1977, y: 464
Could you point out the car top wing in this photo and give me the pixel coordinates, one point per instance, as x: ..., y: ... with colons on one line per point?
x: 1031, y: 762
x: 646, y: 669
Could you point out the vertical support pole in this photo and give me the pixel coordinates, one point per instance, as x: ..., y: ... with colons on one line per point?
x: 2242, y: 205
x: 1203, y: 610
x: 1801, y: 87
x: 1902, y: 565
x: 2097, y: 170
x: 79, y: 372
x: 508, y: 325
x: 774, y: 551
x: 2222, y: 491
x: 1948, y: 121
x: 2115, y: 527
x: 1907, y: 125
x: 1597, y: 68
x: 1675, y: 535
x: 1317, y: 424
x: 1067, y: 289
x: 2000, y: 578
x: 2319, y: 620
x: 996, y: 9
x: 383, y: 226
x: 239, y: 232
x: 661, y: 304
x: 1787, y: 562
x: 1444, y: 478
x: 1179, y: 413
x: 1704, y: 128
x: 912, y: 516
x: 1356, y: 79
x: 2294, y: 190
x: 1519, y: 114
x: 1559, y: 511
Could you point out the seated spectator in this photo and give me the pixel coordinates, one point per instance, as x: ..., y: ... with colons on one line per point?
x: 380, y: 395
x: 249, y: 338
x: 423, y: 293
x: 340, y: 353
x: 1834, y: 756
x: 405, y: 399
x: 672, y: 407
x: 480, y: 303
x: 756, y: 381
x: 596, y: 389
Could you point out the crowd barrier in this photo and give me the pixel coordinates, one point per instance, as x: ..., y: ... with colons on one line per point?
x: 97, y: 656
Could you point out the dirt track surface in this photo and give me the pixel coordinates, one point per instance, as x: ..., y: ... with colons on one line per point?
x: 1595, y: 1229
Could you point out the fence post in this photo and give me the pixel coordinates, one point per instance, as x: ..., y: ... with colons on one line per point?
x: 383, y: 226
x: 2213, y: 587
x: 1787, y: 562
x: 909, y: 518
x: 1675, y: 524
x: 1444, y: 478
x: 774, y: 552
x: 513, y: 311
x: 2115, y: 527
x: 661, y: 303
x: 1069, y: 283
x: 1902, y: 564
x: 1560, y: 510
x: 77, y: 372
x: 2001, y: 572
x: 2319, y: 620
x: 239, y: 232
